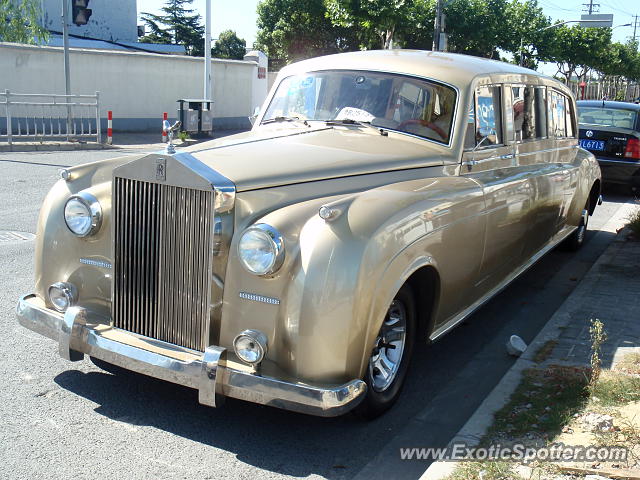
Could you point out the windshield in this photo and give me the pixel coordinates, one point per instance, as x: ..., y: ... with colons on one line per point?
x: 394, y: 102
x: 607, y: 117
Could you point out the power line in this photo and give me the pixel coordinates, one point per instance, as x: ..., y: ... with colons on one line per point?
x: 589, y: 7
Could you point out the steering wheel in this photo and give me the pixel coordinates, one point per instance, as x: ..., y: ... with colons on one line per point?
x: 431, y: 126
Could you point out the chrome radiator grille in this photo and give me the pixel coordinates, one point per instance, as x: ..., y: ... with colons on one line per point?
x: 162, y: 238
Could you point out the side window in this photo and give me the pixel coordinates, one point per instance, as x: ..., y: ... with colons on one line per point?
x: 488, y: 121
x: 540, y: 106
x: 558, y: 114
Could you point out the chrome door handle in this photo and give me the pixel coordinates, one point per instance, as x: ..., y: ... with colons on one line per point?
x: 506, y: 156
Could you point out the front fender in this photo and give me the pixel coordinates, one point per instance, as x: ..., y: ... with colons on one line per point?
x: 340, y: 276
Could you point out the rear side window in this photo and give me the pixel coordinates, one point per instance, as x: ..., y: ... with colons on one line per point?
x: 558, y: 116
x: 529, y: 112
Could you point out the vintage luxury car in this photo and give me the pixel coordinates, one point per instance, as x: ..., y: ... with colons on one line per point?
x: 380, y: 198
x: 611, y: 131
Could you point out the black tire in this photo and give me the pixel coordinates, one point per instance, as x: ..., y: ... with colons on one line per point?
x: 377, y: 400
x: 575, y: 241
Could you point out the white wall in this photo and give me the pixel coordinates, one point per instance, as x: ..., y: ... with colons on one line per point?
x: 137, y: 87
x: 114, y: 20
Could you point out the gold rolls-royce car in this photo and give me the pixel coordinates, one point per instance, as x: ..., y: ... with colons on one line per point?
x: 380, y: 198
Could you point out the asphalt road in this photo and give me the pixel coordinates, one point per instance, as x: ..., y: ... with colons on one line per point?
x: 61, y: 419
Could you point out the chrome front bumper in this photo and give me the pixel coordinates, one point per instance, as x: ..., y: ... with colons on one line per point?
x: 210, y: 372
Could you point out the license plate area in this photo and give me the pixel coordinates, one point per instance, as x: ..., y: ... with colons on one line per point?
x: 597, y: 145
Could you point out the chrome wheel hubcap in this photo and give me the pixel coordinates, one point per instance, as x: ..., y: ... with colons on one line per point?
x: 387, y: 352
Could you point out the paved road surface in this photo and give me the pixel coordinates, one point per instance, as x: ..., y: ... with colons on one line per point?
x: 61, y: 419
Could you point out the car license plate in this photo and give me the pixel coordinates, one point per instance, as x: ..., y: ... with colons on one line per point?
x: 592, y: 144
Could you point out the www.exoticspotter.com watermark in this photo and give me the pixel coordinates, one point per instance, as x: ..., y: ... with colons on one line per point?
x: 556, y: 452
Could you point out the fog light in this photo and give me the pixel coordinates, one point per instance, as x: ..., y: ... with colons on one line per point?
x: 251, y: 346
x: 63, y: 295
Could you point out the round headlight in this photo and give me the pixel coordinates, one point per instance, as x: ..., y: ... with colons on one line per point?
x: 83, y: 214
x: 261, y: 249
x: 250, y: 346
x: 62, y: 295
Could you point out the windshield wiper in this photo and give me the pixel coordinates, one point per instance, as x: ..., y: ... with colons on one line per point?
x: 349, y: 121
x: 284, y: 119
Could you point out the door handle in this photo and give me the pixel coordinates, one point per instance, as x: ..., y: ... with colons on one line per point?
x: 506, y: 156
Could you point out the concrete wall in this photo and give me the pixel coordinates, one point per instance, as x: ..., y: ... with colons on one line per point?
x: 114, y: 20
x: 137, y: 87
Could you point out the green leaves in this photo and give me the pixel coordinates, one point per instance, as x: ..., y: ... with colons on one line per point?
x: 230, y: 46
x: 178, y: 25
x: 19, y: 22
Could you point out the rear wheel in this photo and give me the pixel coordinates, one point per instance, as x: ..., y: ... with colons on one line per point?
x: 390, y: 356
x: 576, y: 239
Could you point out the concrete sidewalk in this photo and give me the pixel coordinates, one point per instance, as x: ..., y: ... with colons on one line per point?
x: 609, y: 292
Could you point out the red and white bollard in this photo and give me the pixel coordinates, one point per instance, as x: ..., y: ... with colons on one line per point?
x: 110, y: 127
x: 165, y: 116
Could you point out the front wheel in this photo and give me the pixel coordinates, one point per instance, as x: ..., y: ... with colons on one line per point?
x: 390, y: 356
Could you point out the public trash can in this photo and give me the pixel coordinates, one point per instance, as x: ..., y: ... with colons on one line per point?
x: 196, y: 116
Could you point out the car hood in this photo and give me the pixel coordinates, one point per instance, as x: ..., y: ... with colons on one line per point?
x: 277, y: 156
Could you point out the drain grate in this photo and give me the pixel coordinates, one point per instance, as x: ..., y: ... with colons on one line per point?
x: 10, y: 236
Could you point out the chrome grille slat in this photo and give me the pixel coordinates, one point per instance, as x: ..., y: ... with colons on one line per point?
x: 162, y: 248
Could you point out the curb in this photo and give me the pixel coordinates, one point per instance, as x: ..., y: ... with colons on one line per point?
x: 54, y: 147
x: 477, y: 425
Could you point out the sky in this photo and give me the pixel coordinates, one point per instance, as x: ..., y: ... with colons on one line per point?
x: 240, y: 15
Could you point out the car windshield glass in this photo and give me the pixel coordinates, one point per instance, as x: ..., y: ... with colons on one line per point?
x: 394, y: 102
x: 607, y: 117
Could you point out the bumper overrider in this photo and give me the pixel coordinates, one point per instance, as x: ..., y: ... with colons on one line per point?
x: 210, y: 372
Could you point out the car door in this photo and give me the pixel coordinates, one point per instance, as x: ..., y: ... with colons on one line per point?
x: 539, y: 161
x: 489, y: 160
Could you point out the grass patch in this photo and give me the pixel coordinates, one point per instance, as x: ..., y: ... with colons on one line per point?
x: 544, y: 351
x: 614, y: 389
x: 485, y: 471
x: 544, y: 402
x: 629, y: 364
x: 634, y: 223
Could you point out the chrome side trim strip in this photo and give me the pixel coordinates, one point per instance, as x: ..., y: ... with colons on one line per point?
x: 209, y: 373
x: 450, y: 324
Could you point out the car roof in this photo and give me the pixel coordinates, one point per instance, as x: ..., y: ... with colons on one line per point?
x: 609, y: 104
x: 453, y: 68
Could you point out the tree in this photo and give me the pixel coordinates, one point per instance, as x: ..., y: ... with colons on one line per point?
x: 374, y: 21
x: 577, y: 50
x: 178, y: 25
x: 290, y: 30
x: 230, y: 46
x: 20, y: 22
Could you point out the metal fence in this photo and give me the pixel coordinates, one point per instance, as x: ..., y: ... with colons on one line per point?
x: 42, y: 117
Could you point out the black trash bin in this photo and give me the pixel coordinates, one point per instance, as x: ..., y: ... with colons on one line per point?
x: 196, y: 116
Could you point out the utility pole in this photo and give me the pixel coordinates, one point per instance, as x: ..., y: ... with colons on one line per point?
x: 590, y: 6
x: 635, y: 26
x: 436, y: 26
x: 67, y: 75
x: 207, y: 52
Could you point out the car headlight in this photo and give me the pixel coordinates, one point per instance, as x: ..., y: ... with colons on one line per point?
x: 261, y: 249
x: 83, y: 214
x: 63, y: 295
x: 251, y: 346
